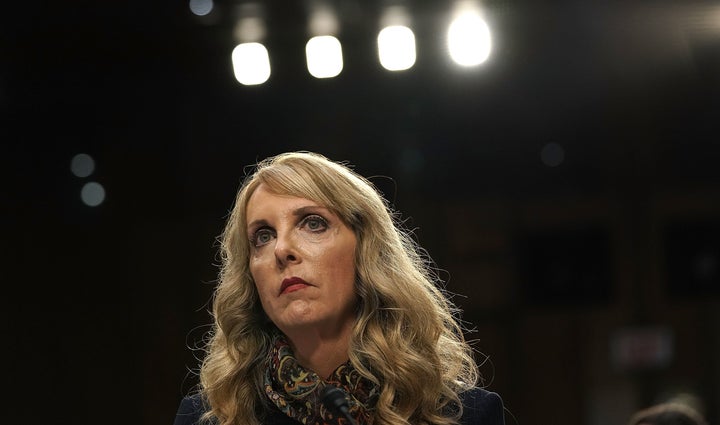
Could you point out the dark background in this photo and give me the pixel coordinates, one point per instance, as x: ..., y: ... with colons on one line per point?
x: 105, y: 303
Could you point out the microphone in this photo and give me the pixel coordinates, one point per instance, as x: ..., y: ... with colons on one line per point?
x: 333, y: 399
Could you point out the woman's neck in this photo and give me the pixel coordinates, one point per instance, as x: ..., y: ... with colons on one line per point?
x: 320, y: 353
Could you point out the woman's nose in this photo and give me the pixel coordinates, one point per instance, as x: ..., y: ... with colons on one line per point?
x: 286, y: 249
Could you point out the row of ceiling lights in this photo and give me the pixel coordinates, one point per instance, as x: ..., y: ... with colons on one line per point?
x: 468, y: 41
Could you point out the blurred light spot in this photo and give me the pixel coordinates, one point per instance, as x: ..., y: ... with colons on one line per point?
x: 552, y: 155
x: 323, y: 20
x: 324, y: 56
x: 251, y: 63
x: 249, y: 29
x: 396, y: 48
x: 201, y: 7
x: 92, y: 194
x: 469, y: 39
x: 82, y: 165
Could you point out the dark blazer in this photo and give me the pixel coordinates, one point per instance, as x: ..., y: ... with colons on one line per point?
x: 481, y: 407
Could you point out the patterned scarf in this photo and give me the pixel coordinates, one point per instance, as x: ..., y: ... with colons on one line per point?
x: 295, y: 390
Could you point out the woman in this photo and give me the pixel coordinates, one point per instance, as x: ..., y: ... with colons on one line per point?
x: 320, y: 287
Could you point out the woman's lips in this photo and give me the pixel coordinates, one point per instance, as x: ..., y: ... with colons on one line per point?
x: 292, y: 284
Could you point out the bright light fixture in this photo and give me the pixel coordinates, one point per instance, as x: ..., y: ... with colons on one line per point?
x: 396, y: 48
x: 324, y: 56
x: 469, y: 39
x: 251, y: 63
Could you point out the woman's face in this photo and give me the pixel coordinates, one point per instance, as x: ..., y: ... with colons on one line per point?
x: 302, y: 259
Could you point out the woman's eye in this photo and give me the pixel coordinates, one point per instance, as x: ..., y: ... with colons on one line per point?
x: 315, y: 223
x: 261, y: 237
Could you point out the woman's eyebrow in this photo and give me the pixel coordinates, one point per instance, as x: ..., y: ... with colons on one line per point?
x: 256, y: 223
x: 309, y: 209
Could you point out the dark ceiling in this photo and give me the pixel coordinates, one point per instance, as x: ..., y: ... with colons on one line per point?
x: 147, y: 88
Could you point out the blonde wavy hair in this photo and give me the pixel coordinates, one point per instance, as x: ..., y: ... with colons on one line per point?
x: 407, y: 338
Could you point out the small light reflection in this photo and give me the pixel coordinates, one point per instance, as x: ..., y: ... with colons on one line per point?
x: 323, y: 21
x: 82, y: 165
x: 92, y: 194
x: 250, y: 29
x: 201, y: 7
x: 552, y: 154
